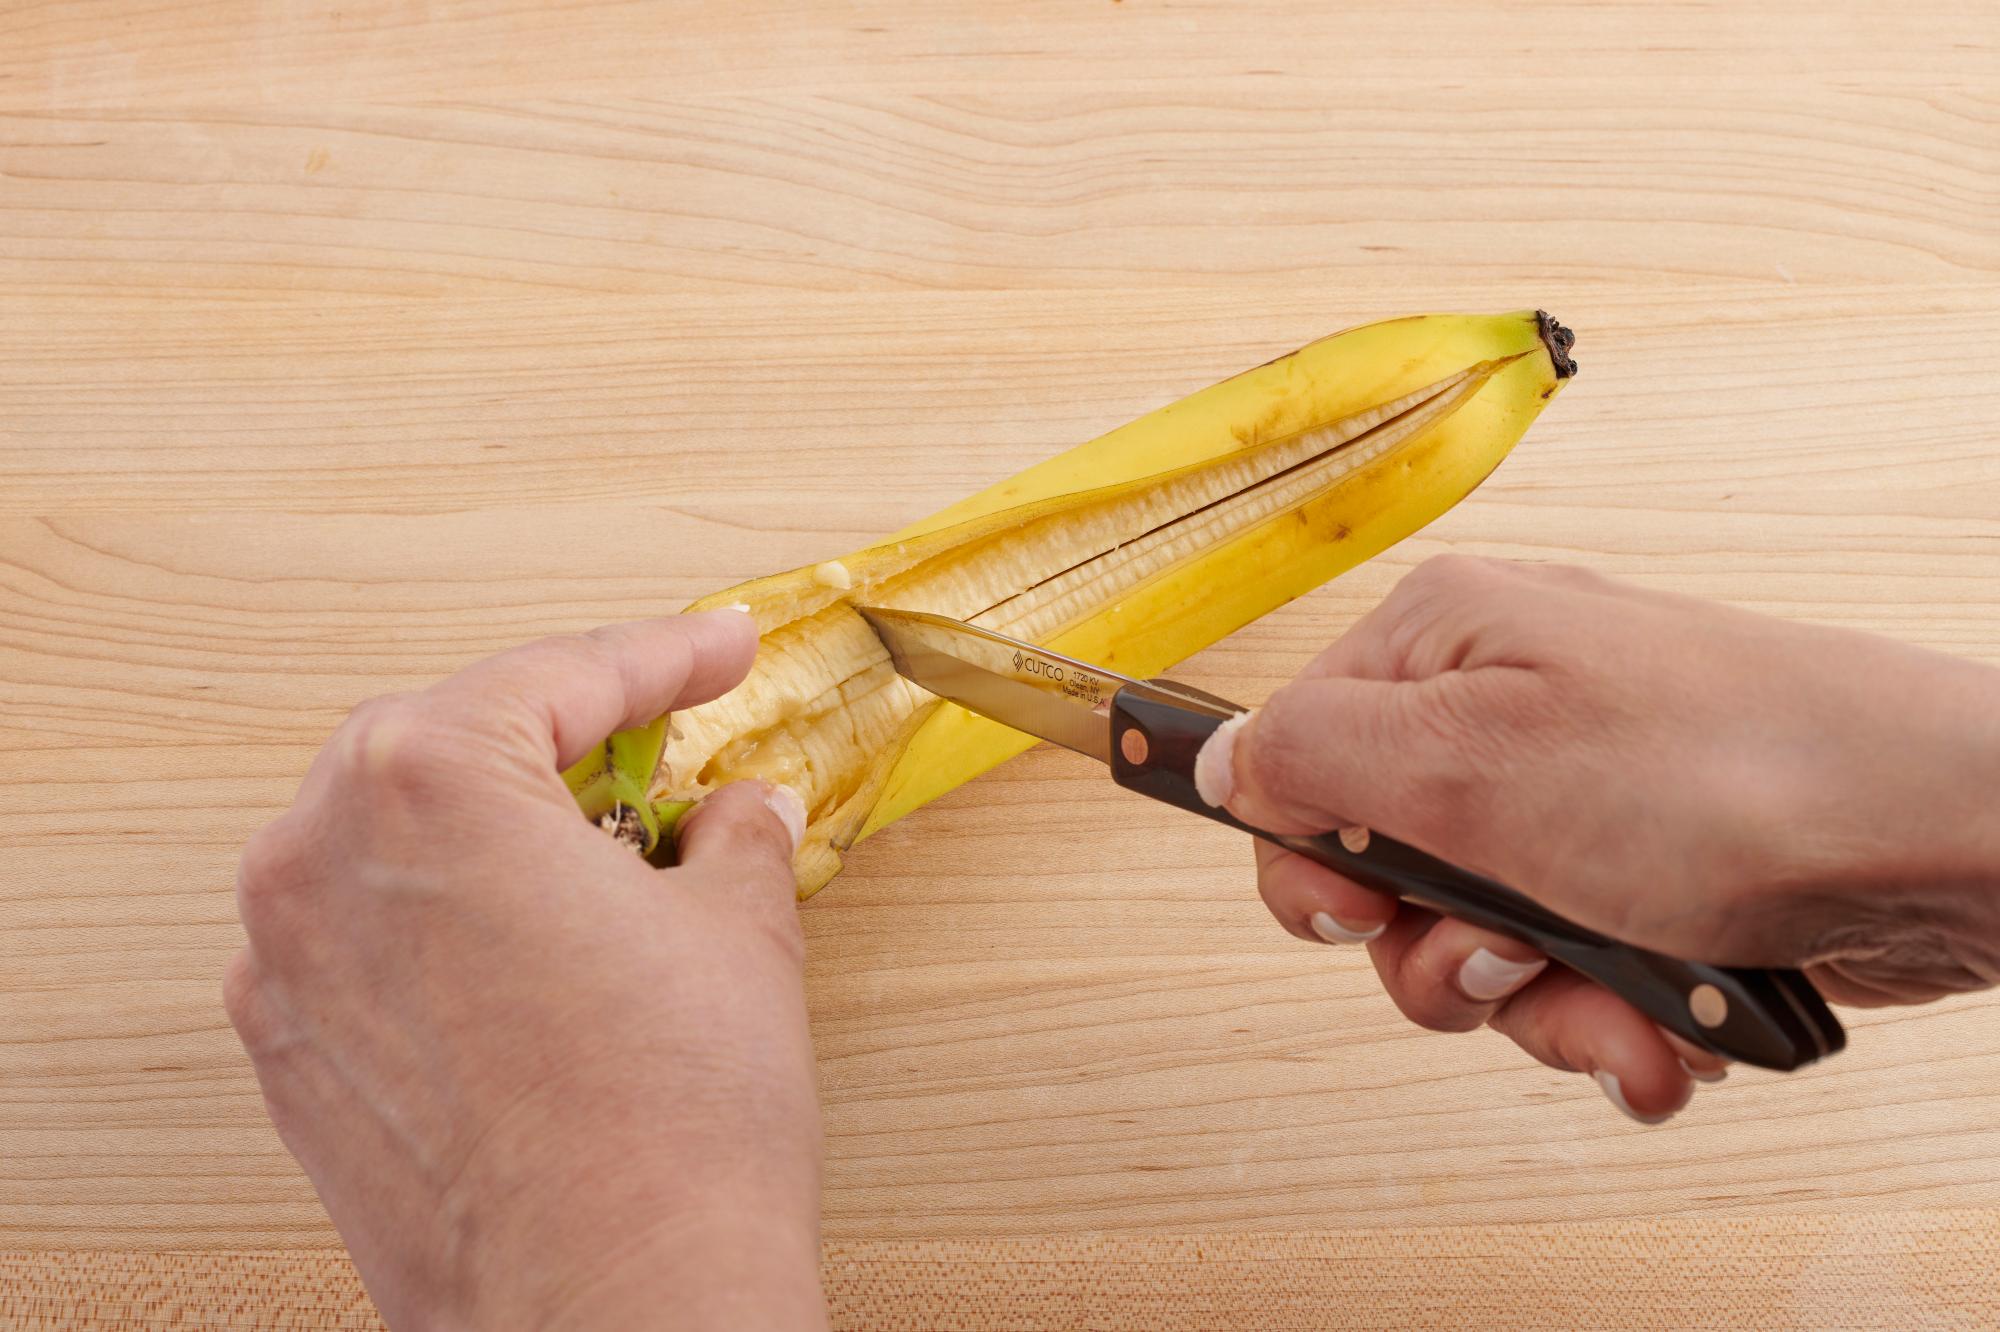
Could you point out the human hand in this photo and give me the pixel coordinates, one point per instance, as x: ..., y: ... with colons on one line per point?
x: 536, y: 1082
x: 1682, y: 776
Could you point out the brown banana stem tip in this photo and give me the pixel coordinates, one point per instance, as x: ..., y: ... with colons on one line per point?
x: 1558, y: 340
x: 624, y: 825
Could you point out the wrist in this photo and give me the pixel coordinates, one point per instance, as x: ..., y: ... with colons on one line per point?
x: 1984, y: 823
x: 666, y: 1237
x: 1848, y: 820
x: 750, y: 1264
x: 749, y: 1267
x: 1950, y: 770
x: 1899, y: 819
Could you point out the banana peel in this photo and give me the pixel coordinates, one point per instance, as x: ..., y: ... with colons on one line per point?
x: 1135, y: 550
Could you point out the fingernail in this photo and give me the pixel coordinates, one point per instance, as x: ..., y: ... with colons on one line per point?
x: 1487, y: 976
x: 1703, y: 1074
x: 1616, y: 1095
x: 1215, y: 765
x: 1331, y: 930
x: 790, y: 807
x: 743, y: 606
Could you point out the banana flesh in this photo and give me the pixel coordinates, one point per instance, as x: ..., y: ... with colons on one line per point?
x: 1134, y: 550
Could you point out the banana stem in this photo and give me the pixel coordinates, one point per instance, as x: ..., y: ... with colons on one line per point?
x: 612, y: 785
x: 1558, y: 340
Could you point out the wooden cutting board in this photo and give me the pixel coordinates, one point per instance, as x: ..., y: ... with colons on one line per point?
x: 340, y: 346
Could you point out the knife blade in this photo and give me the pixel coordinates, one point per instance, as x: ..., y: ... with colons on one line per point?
x: 1048, y: 696
x: 1148, y: 733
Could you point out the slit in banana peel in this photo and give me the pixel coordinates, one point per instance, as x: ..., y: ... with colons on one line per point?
x: 1135, y: 550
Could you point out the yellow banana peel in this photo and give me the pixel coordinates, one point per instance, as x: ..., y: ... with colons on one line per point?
x: 1134, y: 550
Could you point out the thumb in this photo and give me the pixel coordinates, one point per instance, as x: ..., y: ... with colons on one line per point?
x: 1325, y: 754
x: 739, y: 842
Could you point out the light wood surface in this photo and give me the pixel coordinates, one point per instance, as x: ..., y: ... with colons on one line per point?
x: 341, y: 346
x: 1907, y: 1270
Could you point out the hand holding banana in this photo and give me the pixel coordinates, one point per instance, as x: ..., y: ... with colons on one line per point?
x: 536, y: 1082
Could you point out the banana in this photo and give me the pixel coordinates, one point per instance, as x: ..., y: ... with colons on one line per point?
x: 611, y: 785
x: 1134, y: 550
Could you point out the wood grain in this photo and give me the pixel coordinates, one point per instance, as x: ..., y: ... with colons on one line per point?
x: 342, y: 346
x: 1914, y: 1270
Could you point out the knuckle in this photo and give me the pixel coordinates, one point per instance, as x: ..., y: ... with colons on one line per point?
x: 1282, y: 749
x: 1452, y: 575
x: 370, y: 710
x: 243, y: 1002
x: 1471, y: 722
x: 594, y: 651
x: 1432, y: 612
x: 591, y: 655
x: 602, y: 640
x: 1453, y: 712
x: 1437, y: 733
x: 239, y: 984
x: 1434, y: 1012
x: 272, y: 865
x: 1427, y: 999
x: 1575, y: 576
x: 397, y: 740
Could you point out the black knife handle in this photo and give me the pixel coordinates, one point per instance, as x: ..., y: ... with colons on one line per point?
x: 1773, y: 1019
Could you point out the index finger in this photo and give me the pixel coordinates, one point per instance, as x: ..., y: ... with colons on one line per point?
x: 565, y: 694
x: 1454, y: 612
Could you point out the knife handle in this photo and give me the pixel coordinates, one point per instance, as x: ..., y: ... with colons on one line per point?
x: 1770, y: 1018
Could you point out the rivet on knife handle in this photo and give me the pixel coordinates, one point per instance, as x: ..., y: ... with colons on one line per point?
x: 1770, y: 1018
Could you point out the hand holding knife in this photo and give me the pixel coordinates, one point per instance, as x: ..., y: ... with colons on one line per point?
x: 1149, y: 732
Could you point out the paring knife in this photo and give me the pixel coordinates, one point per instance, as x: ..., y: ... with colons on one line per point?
x: 1149, y: 731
